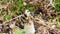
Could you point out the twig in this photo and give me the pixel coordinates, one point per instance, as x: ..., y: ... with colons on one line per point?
x: 13, y: 18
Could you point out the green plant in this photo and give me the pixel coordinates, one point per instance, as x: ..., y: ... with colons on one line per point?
x: 19, y: 4
x: 30, y: 7
x: 18, y: 31
x: 13, y: 8
x: 57, y: 6
x: 4, y: 2
x: 58, y: 24
x: 7, y: 17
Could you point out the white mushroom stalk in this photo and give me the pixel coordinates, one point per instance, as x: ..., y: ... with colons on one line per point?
x: 29, y: 27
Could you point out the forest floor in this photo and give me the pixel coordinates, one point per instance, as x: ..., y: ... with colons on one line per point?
x: 46, y: 21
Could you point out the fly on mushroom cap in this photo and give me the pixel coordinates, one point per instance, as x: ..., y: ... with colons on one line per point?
x: 27, y: 12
